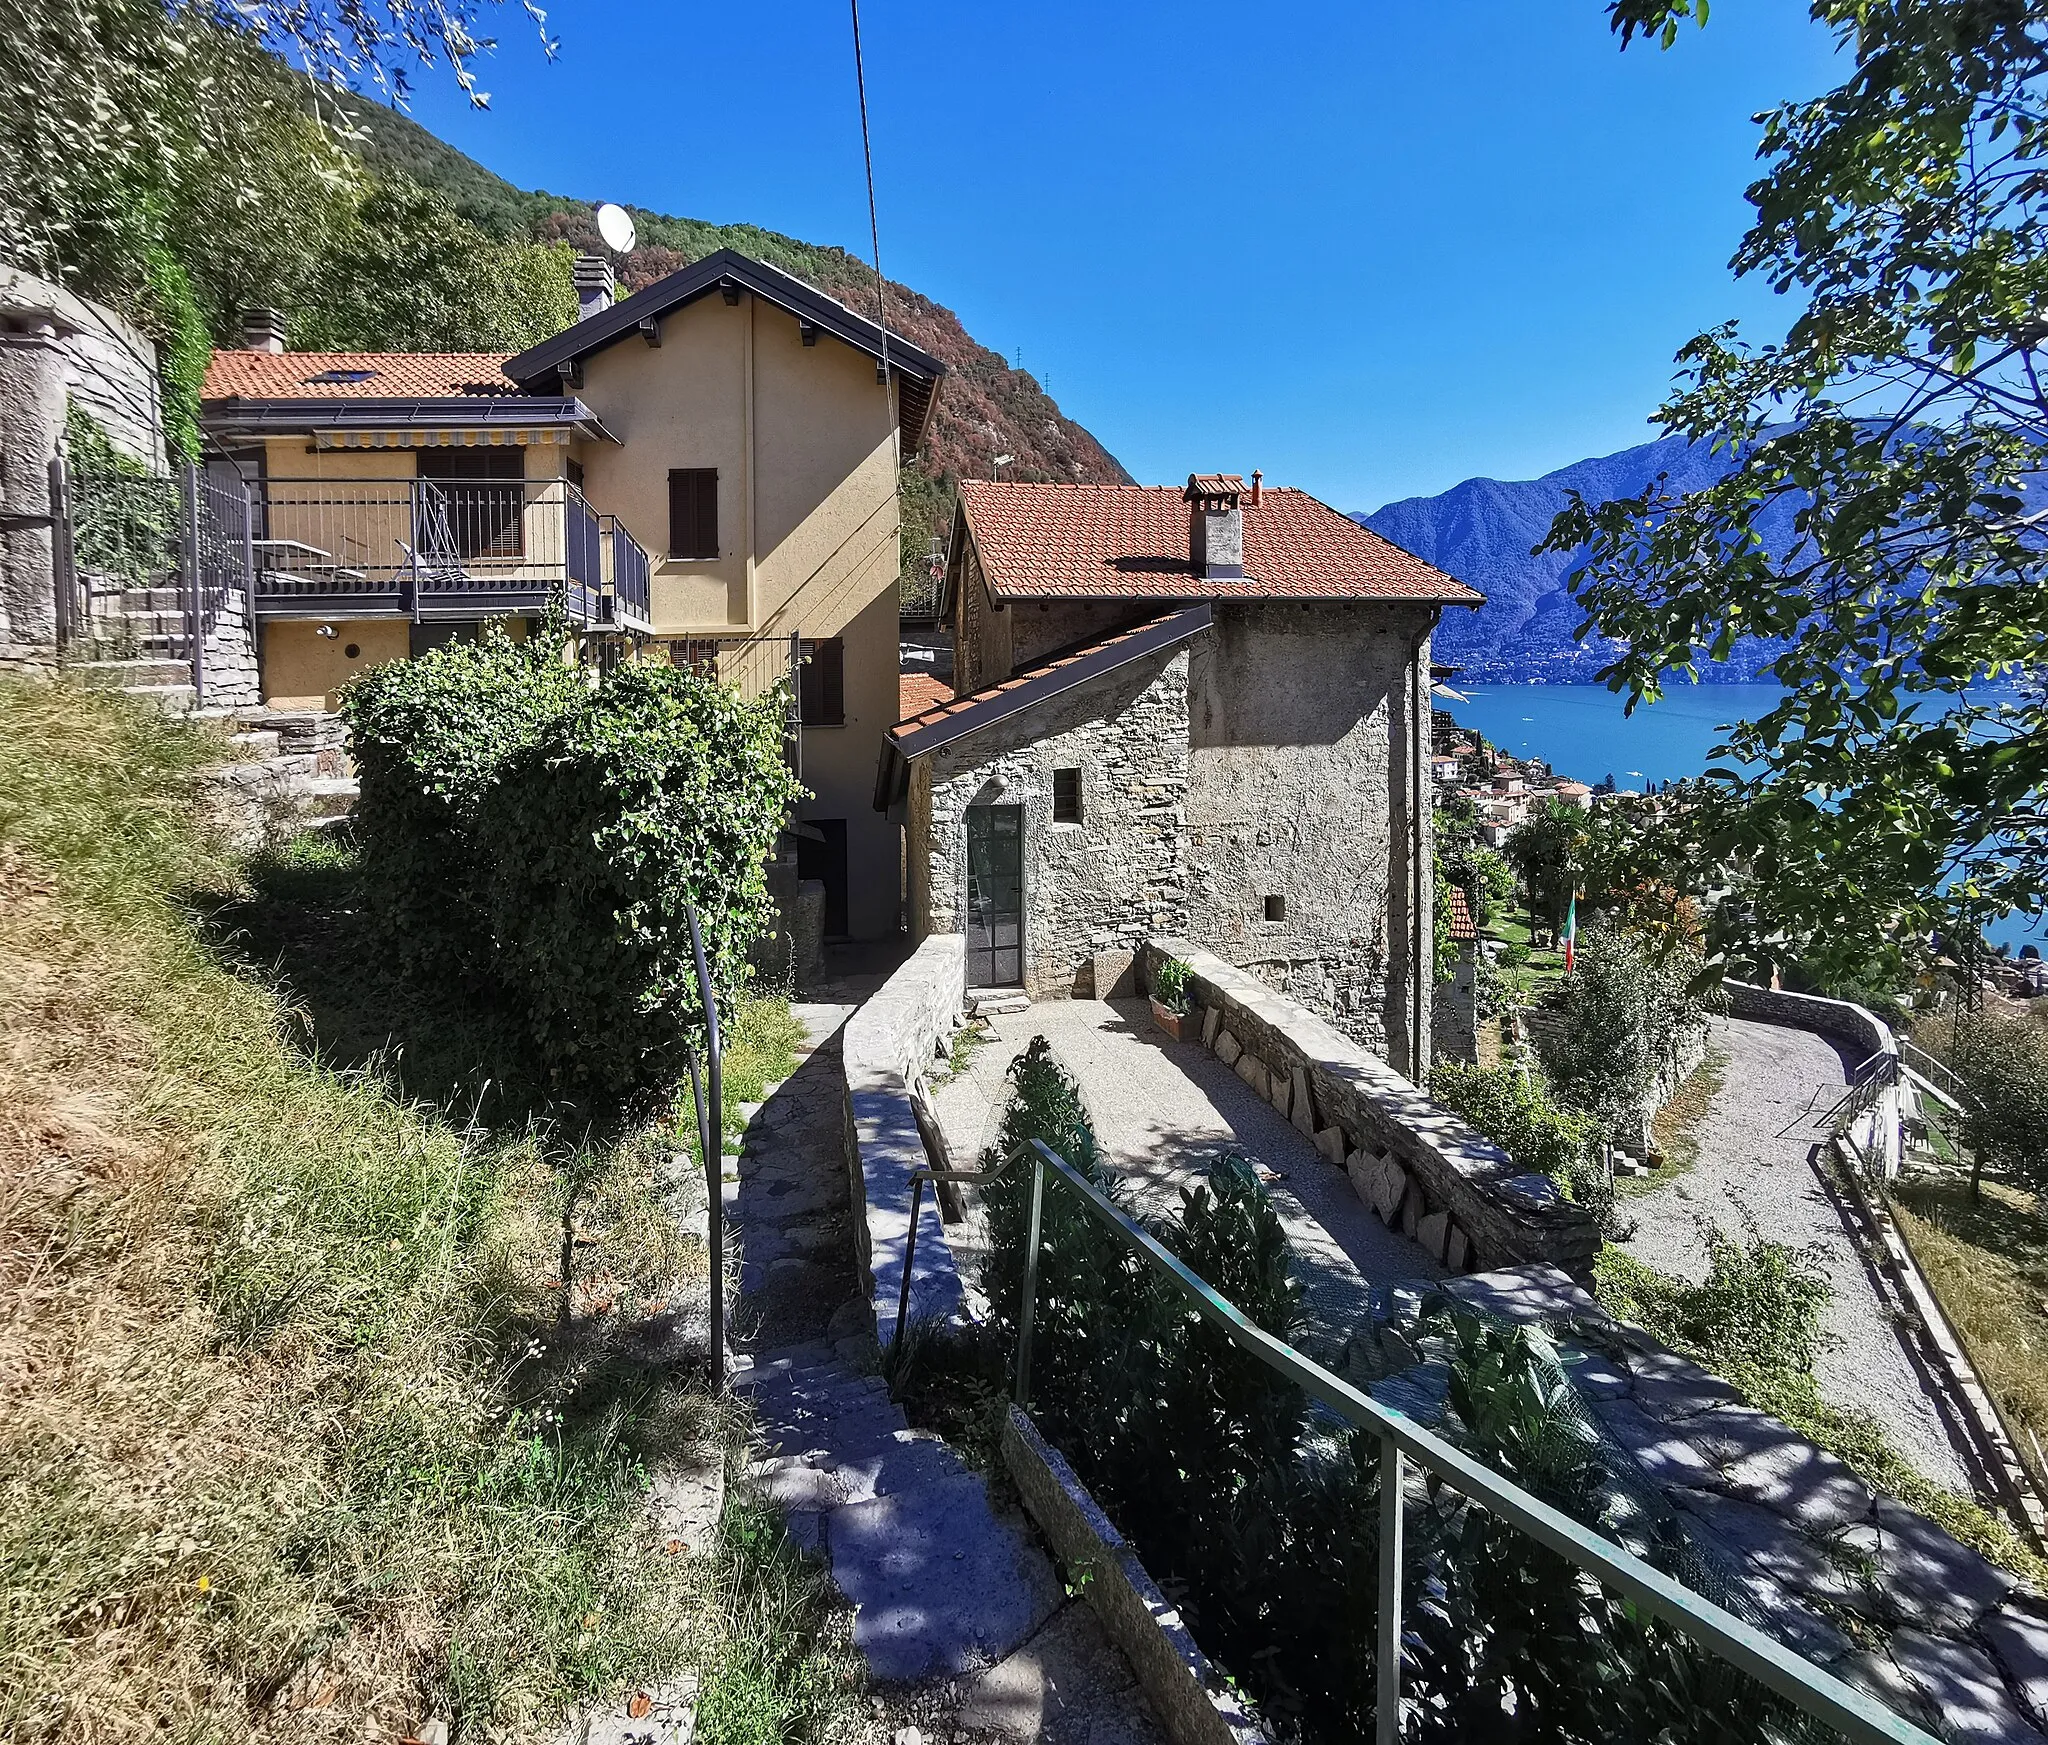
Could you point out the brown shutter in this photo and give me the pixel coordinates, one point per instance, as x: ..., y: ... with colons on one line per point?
x: 707, y: 512
x: 682, y: 512
x: 821, y: 691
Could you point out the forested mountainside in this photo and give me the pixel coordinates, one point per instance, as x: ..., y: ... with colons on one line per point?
x: 985, y: 409
x: 1485, y: 531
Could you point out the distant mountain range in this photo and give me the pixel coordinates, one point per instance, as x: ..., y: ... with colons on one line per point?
x: 1484, y: 532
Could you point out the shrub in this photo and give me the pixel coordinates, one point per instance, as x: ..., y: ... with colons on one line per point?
x: 1625, y: 1019
x: 659, y: 790
x: 431, y: 739
x: 1518, y: 1116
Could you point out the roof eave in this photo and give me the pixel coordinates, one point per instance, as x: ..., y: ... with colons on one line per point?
x: 244, y: 415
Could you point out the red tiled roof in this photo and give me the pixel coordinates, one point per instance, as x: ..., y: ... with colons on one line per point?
x: 1462, y: 928
x: 1131, y: 542
x: 290, y: 375
x: 917, y: 692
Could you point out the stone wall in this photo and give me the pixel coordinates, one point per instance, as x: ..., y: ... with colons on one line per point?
x: 1423, y: 1170
x: 1104, y: 883
x: 1305, y: 786
x: 56, y: 348
x: 1454, y: 1011
x: 1853, y: 1581
x: 888, y: 1045
x: 230, y: 676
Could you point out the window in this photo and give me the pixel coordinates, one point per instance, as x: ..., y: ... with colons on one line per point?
x: 821, y: 685
x: 694, y: 654
x: 1276, y: 908
x: 693, y: 512
x: 1066, y: 796
x: 481, y: 490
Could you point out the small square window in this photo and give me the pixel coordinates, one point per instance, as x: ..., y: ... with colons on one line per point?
x: 1066, y: 796
x: 1276, y: 908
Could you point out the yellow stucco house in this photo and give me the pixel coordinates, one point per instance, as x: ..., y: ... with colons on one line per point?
x: 705, y: 471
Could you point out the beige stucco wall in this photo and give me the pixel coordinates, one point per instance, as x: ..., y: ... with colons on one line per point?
x: 304, y: 670
x: 804, y: 443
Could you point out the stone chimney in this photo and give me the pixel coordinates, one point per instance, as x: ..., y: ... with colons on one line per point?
x: 262, y: 330
x: 1215, y: 526
x: 594, y: 284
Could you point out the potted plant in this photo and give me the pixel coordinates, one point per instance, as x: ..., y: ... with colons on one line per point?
x: 1170, y: 995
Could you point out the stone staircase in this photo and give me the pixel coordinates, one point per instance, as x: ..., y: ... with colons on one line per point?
x: 133, y: 644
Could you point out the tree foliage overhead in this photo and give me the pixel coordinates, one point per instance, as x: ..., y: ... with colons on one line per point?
x: 1900, y: 420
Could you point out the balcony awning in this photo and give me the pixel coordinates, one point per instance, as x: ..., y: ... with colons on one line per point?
x: 455, y: 420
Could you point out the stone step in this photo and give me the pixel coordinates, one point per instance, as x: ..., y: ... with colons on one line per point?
x: 994, y: 1002
x: 819, y: 1479
x: 149, y: 600
x: 256, y: 742
x: 328, y: 796
x: 172, y: 699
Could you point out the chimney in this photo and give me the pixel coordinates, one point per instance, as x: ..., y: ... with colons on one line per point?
x: 262, y: 330
x: 593, y: 276
x: 1215, y: 526
x: 1257, y: 477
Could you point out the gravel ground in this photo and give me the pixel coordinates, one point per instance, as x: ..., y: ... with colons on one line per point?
x: 1161, y: 1111
x: 1755, y: 1142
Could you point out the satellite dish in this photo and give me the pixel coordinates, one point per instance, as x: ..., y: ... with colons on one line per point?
x: 615, y: 225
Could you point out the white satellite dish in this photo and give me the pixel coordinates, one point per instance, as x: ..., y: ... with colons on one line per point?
x: 615, y: 225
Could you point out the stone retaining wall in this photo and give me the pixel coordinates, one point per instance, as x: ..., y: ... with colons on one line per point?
x: 1193, y: 1702
x: 888, y: 1045
x: 1422, y: 1169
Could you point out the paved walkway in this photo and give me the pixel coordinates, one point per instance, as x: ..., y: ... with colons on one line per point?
x: 1755, y: 1141
x: 958, y: 1611
x: 1162, y: 1111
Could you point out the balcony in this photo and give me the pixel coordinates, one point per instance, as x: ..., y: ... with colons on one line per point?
x: 437, y: 550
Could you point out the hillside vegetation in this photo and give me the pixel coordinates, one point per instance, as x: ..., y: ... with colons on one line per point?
x: 325, y: 1409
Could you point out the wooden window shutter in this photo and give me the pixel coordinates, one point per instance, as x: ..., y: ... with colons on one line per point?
x: 821, y: 695
x: 693, y: 512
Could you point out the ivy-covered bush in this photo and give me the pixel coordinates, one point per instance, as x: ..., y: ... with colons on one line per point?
x: 657, y: 790
x: 432, y: 738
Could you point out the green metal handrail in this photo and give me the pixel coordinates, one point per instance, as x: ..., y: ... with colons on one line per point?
x: 1827, y: 1699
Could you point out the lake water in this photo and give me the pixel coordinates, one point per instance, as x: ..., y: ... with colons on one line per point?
x: 1581, y: 732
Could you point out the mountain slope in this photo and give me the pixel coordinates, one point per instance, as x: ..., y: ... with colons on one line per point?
x: 1484, y: 532
x: 985, y: 409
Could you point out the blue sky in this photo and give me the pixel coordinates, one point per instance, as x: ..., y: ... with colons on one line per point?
x: 1373, y: 248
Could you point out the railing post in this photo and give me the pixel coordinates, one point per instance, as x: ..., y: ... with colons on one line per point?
x: 63, y: 570
x: 1387, y: 1665
x: 195, y: 625
x: 1029, y: 1307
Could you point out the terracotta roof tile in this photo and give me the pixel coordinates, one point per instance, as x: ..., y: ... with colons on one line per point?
x: 1131, y: 542
x: 294, y: 375
x: 917, y: 692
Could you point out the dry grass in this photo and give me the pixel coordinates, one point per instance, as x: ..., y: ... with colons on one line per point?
x: 295, y: 1439
x: 1675, y: 1128
x: 1987, y: 1261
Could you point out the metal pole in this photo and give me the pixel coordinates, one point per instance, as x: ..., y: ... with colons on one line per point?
x: 796, y: 705
x: 1030, y: 1303
x: 1387, y: 1665
x: 189, y: 593
x: 711, y: 1130
x: 63, y: 570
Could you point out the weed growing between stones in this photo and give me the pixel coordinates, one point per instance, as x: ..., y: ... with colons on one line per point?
x: 1258, y: 1516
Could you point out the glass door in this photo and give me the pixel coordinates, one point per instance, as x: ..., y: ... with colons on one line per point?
x: 995, y: 896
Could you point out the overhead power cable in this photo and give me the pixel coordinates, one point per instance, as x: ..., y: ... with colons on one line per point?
x: 867, y: 152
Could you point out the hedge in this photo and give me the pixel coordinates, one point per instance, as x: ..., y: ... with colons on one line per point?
x: 540, y: 832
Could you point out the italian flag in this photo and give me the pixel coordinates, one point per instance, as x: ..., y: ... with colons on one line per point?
x: 1571, y: 932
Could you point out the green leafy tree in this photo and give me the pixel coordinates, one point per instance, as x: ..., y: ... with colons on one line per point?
x: 2003, y: 1063
x: 1545, y: 849
x: 1896, y: 428
x: 406, y: 273
x: 1623, y: 1021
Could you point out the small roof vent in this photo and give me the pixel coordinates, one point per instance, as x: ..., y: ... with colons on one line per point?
x: 336, y: 377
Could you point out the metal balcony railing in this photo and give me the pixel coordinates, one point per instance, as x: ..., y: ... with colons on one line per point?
x: 1405, y: 1444
x: 443, y: 548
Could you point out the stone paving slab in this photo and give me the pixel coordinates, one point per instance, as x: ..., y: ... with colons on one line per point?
x: 940, y: 1587
x: 1066, y: 1686
x: 1162, y: 1112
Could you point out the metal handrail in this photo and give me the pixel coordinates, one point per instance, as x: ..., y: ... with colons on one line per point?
x: 918, y: 1177
x: 1813, y: 1692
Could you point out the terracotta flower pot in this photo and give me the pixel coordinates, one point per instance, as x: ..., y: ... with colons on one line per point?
x: 1167, y: 1019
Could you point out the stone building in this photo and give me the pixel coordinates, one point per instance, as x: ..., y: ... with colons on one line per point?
x: 1199, y: 711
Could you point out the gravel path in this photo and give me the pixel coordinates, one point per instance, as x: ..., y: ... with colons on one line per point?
x: 1755, y: 1141
x: 1162, y: 1110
